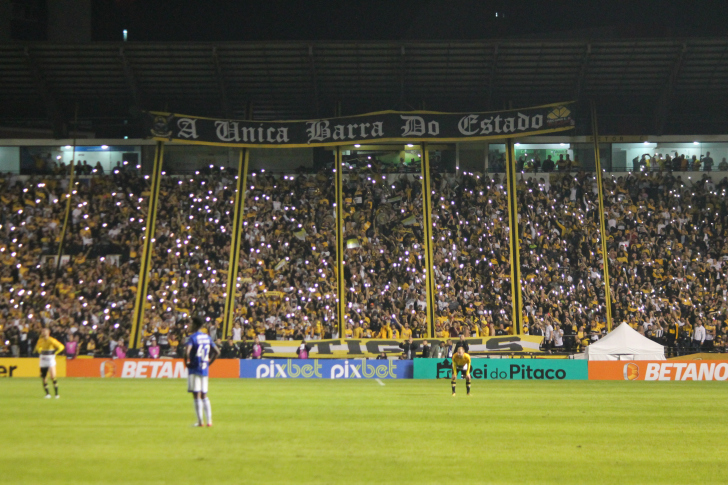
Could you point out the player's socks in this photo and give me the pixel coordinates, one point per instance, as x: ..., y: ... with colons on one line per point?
x: 45, y: 386
x: 468, y: 386
x: 55, y: 386
x: 453, y: 388
x: 208, y: 410
x: 198, y: 410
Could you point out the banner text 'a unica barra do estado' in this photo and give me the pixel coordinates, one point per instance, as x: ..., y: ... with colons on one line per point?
x: 385, y: 126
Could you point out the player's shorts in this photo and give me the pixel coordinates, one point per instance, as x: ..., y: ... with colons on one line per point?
x: 196, y: 383
x: 47, y: 360
x: 463, y: 371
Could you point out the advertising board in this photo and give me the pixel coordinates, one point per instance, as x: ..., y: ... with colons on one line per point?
x: 506, y: 369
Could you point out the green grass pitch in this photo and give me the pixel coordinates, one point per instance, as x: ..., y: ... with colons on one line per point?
x: 341, y: 432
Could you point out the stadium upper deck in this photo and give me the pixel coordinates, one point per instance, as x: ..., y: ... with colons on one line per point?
x: 641, y: 86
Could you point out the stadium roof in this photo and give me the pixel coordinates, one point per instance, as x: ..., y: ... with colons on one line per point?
x: 640, y: 86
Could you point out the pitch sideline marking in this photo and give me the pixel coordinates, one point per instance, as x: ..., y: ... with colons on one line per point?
x: 379, y: 381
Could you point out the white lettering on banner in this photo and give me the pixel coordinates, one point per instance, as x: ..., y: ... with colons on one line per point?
x: 468, y: 125
x: 318, y: 131
x: 703, y: 371
x: 141, y: 370
x: 347, y: 370
x: 678, y: 370
x: 665, y: 372
x: 691, y: 372
x: 128, y: 369
x: 721, y: 367
x: 227, y: 131
x: 413, y: 125
x: 465, y: 125
x: 187, y: 128
x: 154, y: 369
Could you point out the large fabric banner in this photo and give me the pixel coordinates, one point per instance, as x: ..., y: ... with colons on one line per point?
x: 28, y: 367
x: 358, y: 348
x: 644, y: 370
x: 507, y: 369
x: 326, y: 369
x: 385, y: 126
x: 145, y: 368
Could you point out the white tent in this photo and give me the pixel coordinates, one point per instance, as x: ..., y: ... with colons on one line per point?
x: 625, y: 343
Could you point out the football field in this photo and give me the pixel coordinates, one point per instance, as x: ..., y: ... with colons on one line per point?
x: 339, y: 432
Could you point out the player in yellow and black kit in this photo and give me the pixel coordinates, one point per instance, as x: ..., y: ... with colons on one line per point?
x: 48, y: 348
x: 461, y: 363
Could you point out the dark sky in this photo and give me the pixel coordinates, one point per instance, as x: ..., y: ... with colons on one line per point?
x: 235, y: 20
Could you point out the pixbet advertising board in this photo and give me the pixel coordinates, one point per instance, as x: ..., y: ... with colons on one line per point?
x: 326, y: 369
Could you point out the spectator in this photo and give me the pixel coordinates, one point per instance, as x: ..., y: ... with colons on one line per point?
x: 303, y: 350
x: 153, y: 350
x: 257, y: 349
x: 229, y: 349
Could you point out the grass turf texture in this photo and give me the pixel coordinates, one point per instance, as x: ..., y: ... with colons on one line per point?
x: 322, y: 431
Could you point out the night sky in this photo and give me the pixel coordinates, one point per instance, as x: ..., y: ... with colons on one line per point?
x: 242, y: 20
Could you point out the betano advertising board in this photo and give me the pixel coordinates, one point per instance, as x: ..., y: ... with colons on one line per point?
x: 506, y: 369
x: 326, y: 369
x: 145, y: 368
x: 662, y: 370
x: 28, y: 367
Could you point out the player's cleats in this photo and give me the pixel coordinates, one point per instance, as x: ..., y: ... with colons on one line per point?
x: 209, y: 425
x: 198, y: 425
x: 47, y: 396
x: 453, y: 394
x: 57, y: 396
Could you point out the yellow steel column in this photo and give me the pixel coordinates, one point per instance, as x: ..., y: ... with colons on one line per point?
x: 515, y: 259
x: 147, y: 248
x: 341, y: 286
x: 237, y: 232
x: 602, y: 226
x: 428, y: 240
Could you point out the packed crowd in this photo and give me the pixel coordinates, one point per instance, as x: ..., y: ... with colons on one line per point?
x: 384, y: 268
x: 665, y: 245
x: 471, y: 256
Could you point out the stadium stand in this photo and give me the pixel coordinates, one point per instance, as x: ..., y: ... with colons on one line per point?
x: 665, y: 242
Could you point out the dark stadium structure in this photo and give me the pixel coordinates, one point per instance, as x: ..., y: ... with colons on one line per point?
x: 639, y: 86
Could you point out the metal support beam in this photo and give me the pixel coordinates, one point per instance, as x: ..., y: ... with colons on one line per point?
x: 224, y: 104
x: 662, y: 109
x: 578, y: 85
x: 55, y: 115
x: 314, y: 82
x: 428, y: 240
x: 340, y: 234
x: 602, y: 217
x: 491, y: 77
x: 131, y: 83
x: 145, y: 264
x: 515, y: 247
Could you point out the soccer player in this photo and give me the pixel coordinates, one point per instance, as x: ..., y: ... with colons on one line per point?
x: 461, y: 363
x: 48, y: 348
x: 200, y: 353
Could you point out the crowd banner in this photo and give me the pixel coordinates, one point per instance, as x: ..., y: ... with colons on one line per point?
x: 145, y: 368
x: 326, y: 369
x: 506, y: 369
x: 28, y: 367
x: 384, y: 126
x: 662, y: 370
x: 362, y: 348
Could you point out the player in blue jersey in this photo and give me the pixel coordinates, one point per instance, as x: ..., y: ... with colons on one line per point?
x: 200, y: 353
